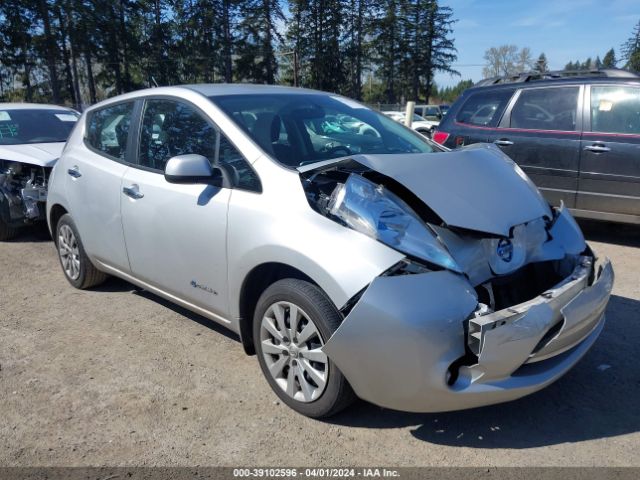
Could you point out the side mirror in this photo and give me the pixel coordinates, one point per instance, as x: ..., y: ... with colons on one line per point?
x: 191, y: 169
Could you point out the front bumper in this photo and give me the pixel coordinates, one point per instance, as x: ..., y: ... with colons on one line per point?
x: 404, y: 339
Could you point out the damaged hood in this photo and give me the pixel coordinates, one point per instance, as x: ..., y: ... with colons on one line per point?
x: 40, y: 154
x: 476, y: 188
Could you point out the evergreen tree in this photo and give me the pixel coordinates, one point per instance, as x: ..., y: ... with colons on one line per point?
x: 631, y: 50
x: 541, y: 65
x: 359, y: 18
x: 80, y: 51
x: 609, y: 60
x: 387, y: 45
x: 258, y: 29
x: 316, y: 33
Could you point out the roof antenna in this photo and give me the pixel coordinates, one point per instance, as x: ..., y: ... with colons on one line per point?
x: 153, y: 80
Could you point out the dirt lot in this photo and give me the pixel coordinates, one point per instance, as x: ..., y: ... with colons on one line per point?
x: 117, y: 376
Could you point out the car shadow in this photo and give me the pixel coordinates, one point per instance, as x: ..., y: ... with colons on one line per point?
x: 114, y: 284
x: 32, y: 234
x: 596, y: 399
x: 607, y: 232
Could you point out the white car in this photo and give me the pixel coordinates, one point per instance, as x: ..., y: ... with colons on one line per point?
x: 352, y: 265
x: 419, y: 124
x: 32, y: 137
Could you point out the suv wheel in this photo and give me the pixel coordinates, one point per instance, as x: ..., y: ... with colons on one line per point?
x: 77, y: 267
x: 292, y: 321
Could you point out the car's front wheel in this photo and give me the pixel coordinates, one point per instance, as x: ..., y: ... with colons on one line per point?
x: 76, y: 265
x: 293, y: 320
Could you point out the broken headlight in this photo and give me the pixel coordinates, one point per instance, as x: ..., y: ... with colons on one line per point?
x: 375, y: 211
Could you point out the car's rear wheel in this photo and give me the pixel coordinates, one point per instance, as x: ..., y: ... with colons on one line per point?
x: 76, y: 265
x: 292, y: 322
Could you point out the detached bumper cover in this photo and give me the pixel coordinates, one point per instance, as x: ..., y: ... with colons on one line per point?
x: 397, y: 344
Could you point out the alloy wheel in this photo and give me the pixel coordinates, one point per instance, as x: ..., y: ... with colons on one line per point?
x: 69, y: 252
x: 291, y: 345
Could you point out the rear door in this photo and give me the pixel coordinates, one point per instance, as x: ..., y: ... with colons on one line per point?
x: 94, y: 174
x: 610, y: 166
x: 540, y: 131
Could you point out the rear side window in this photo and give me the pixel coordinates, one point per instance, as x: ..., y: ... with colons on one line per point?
x: 108, y: 129
x: 615, y: 109
x: 546, y: 109
x: 484, y: 108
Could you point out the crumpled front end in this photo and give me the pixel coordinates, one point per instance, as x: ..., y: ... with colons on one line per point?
x: 23, y: 192
x: 498, y: 295
x: 426, y: 341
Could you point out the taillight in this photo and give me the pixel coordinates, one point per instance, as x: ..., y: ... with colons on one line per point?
x: 440, y: 137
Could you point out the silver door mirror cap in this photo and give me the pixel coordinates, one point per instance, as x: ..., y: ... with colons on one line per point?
x: 191, y: 169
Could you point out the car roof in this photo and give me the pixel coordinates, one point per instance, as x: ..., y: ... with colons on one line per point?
x: 529, y: 81
x: 31, y: 106
x: 220, y: 89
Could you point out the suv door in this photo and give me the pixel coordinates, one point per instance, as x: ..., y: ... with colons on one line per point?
x: 610, y: 164
x: 540, y: 131
x: 94, y: 182
x: 176, y: 234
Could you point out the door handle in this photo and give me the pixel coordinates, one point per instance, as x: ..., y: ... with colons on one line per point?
x: 503, y: 143
x: 132, y: 192
x: 597, y: 148
x: 74, y: 172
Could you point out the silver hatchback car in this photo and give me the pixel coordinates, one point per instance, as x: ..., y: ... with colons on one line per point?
x: 354, y: 262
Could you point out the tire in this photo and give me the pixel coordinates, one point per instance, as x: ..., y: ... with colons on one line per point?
x: 7, y: 232
x: 75, y: 263
x: 316, y: 400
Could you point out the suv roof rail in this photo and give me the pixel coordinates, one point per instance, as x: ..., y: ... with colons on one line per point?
x: 557, y: 74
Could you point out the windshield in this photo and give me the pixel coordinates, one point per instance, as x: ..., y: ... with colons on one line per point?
x: 21, y: 126
x: 301, y: 129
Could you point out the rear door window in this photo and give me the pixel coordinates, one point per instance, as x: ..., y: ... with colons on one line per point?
x: 484, y: 108
x: 546, y: 109
x: 615, y: 109
x: 108, y: 130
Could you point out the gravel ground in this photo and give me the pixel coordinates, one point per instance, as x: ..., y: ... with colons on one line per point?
x: 117, y: 376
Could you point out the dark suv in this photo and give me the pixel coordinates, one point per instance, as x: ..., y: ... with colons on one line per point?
x: 576, y: 134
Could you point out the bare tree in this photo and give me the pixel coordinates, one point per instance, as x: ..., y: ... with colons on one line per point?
x: 507, y: 60
x: 524, y: 61
x: 500, y: 61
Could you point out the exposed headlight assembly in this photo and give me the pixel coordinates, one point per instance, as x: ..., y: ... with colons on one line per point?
x: 375, y: 211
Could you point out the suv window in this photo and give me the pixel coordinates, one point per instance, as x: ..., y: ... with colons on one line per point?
x: 615, y: 109
x: 171, y: 128
x: 484, y: 108
x: 109, y: 129
x: 546, y: 109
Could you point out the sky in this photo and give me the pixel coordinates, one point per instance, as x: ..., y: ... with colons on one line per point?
x: 565, y: 30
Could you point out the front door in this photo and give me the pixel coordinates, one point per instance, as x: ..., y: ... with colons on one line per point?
x: 176, y: 234
x: 610, y: 165
x: 541, y: 134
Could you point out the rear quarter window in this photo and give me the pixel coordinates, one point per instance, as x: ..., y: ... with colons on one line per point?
x: 483, y: 108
